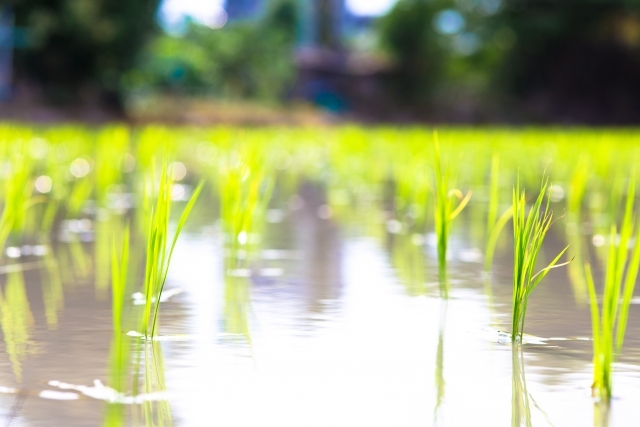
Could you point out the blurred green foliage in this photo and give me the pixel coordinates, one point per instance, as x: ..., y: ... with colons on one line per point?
x: 76, y: 46
x: 240, y: 60
x: 407, y: 33
x: 573, y: 58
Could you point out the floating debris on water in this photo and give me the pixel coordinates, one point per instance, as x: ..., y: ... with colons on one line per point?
x: 58, y: 395
x: 101, y: 392
x: 139, y: 299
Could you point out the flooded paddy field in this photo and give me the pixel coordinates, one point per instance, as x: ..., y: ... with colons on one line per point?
x: 306, y: 286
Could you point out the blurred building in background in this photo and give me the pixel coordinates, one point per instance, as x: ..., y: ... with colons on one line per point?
x: 510, y: 61
x: 242, y: 9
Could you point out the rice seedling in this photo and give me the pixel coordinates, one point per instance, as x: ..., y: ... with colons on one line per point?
x: 495, y: 223
x: 245, y: 189
x: 17, y: 192
x: 529, y: 231
x: 445, y: 212
x: 609, y: 322
x: 111, y: 148
x: 159, y: 246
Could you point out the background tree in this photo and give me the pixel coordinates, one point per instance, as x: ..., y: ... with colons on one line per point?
x: 78, y: 49
x: 572, y: 60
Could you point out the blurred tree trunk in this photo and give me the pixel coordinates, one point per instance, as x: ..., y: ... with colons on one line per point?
x: 327, y: 23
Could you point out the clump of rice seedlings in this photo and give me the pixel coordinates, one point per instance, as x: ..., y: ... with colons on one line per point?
x: 610, y: 321
x: 245, y: 190
x: 529, y: 231
x: 160, y: 246
x: 445, y: 212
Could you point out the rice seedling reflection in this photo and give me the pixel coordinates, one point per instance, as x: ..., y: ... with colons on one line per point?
x: 522, y: 402
x: 601, y: 414
x: 236, y: 307
x: 155, y: 412
x: 408, y: 260
x: 16, y: 320
x: 520, y: 405
x: 120, y: 353
x: 439, y: 373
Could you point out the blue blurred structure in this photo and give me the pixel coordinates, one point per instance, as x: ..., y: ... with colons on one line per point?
x: 241, y: 10
x: 6, y: 52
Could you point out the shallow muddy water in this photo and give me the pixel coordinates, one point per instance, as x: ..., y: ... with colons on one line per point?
x: 331, y: 325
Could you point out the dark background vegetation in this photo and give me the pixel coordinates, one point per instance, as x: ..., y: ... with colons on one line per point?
x: 476, y: 61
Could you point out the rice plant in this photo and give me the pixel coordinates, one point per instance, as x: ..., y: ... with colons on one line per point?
x: 445, y: 212
x: 17, y: 192
x: 610, y: 321
x: 529, y: 231
x: 160, y: 247
x: 495, y: 223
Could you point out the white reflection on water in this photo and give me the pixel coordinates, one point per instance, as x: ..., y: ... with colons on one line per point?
x: 368, y: 359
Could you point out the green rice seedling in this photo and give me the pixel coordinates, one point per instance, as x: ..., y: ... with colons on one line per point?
x: 245, y: 188
x: 411, y: 197
x: 529, y: 231
x: 445, y: 212
x: 111, y: 150
x: 17, y: 192
x: 160, y: 247
x: 495, y: 223
x: 609, y: 322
